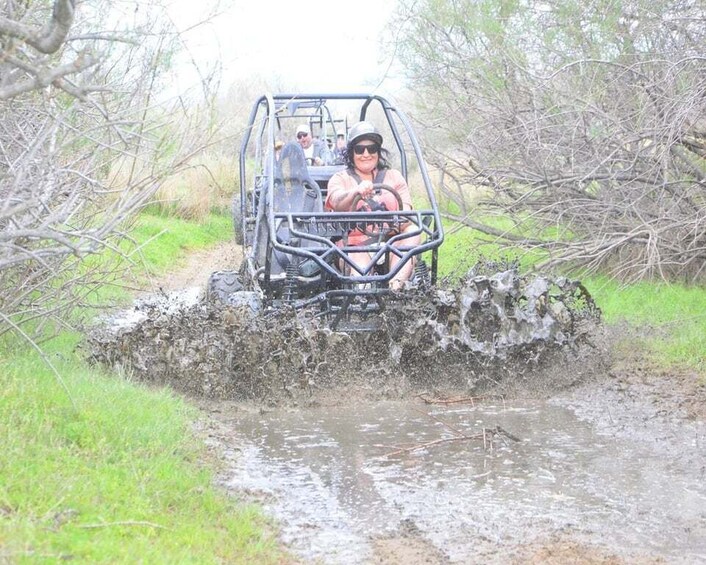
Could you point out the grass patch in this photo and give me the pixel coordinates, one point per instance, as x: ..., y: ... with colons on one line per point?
x: 171, y: 238
x: 95, y: 468
x: 206, y: 185
x: 159, y: 243
x: 109, y: 473
x: 674, y: 314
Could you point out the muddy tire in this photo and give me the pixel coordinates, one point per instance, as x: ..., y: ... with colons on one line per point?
x: 246, y: 302
x: 237, y: 214
x: 222, y: 284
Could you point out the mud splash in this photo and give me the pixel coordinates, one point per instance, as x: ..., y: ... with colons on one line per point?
x: 475, y: 334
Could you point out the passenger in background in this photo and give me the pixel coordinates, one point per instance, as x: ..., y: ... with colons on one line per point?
x: 315, y: 150
x: 278, y: 148
x: 278, y: 151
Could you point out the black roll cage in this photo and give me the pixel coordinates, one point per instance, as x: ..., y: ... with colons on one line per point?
x: 322, y: 231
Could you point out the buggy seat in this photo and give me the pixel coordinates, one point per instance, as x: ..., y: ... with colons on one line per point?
x: 294, y: 191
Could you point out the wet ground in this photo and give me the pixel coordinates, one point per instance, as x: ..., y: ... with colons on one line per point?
x: 488, y: 481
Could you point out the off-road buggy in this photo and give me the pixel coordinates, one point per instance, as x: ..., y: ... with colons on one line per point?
x: 297, y: 282
x: 298, y: 255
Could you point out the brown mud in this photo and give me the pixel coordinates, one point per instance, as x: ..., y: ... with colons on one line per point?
x: 493, y: 328
x: 231, y: 363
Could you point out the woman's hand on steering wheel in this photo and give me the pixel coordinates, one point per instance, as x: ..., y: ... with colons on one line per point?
x: 377, y: 229
x: 366, y: 187
x: 365, y: 190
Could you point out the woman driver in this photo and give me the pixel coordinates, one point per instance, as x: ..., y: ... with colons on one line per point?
x: 365, y: 166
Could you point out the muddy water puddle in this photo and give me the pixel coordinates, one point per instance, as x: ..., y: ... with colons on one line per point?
x: 332, y: 479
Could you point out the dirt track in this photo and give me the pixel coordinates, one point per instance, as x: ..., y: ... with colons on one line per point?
x: 621, y: 397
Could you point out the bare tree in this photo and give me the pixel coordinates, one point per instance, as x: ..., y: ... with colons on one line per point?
x: 26, y: 43
x: 83, y: 146
x: 585, y: 122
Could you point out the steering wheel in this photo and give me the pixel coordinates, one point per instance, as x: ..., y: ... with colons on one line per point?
x: 372, y: 229
x: 378, y: 188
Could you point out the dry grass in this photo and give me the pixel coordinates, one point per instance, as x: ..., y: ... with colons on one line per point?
x: 206, y: 185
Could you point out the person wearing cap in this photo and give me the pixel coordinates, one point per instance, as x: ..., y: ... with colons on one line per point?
x: 366, y: 165
x: 315, y: 150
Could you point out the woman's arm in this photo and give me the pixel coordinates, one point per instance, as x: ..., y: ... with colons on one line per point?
x: 343, y: 190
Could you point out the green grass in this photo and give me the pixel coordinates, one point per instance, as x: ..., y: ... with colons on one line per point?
x: 464, y: 247
x: 109, y: 473
x: 171, y: 237
x: 159, y: 242
x: 95, y: 468
x: 675, y: 314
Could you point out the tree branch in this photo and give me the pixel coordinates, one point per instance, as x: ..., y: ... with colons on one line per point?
x: 52, y: 36
x: 45, y: 77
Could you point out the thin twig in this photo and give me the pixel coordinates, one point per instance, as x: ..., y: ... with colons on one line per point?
x: 486, y: 435
x: 458, y: 400
x: 431, y: 444
x: 445, y: 424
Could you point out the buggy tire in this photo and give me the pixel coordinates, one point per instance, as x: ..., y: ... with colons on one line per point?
x: 222, y: 284
x: 246, y: 302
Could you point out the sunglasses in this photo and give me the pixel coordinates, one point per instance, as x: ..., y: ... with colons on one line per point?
x: 301, y: 134
x: 372, y: 149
